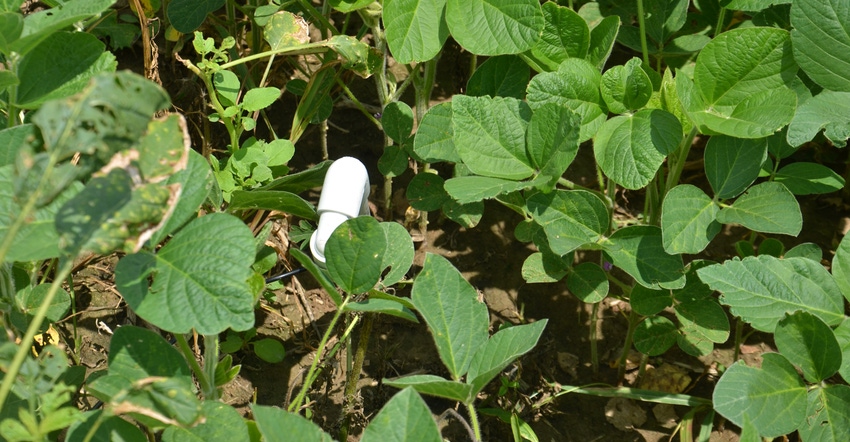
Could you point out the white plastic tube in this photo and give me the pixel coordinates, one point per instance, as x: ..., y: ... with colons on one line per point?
x: 344, y: 196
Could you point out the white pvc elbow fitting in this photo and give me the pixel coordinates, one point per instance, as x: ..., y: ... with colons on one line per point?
x: 344, y: 196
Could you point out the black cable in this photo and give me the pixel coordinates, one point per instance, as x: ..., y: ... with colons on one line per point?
x: 275, y: 278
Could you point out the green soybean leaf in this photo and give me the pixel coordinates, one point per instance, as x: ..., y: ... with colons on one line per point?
x: 38, y: 238
x: 434, y: 386
x: 269, y: 350
x: 300, y: 181
x: 259, y: 98
x: 130, y: 362
x: 821, y: 42
x: 415, y: 29
x: 574, y: 85
x: 805, y: 250
x: 809, y: 178
x: 272, y: 200
x: 761, y: 289
x: 450, y: 307
x: 754, y: 5
x: 552, y: 141
x: 13, y: 139
x: 393, y: 162
x: 732, y: 164
x: 44, y: 23
x: 655, y: 335
x: 668, y: 99
x: 701, y: 324
x: 626, y: 87
x: 694, y: 289
x: 354, y: 252
x: 467, y: 215
x: 490, y: 135
x: 842, y: 335
x: 227, y: 85
x: 500, y: 350
x: 61, y: 58
x: 630, y: 148
x: 278, y: 425
x: 404, y: 302
x: 405, y: 417
x: 223, y: 423
x: 397, y: 121
x: 501, y: 76
x: 285, y: 29
x: 828, y: 111
x: 28, y: 299
x: 810, y: 344
x: 828, y: 414
x: 602, y: 39
x: 113, y: 428
x: 540, y: 267
x: 741, y: 84
x: 11, y: 26
x: 570, y: 218
x: 500, y: 26
x: 196, y: 182
x: 565, y: 35
x: 588, y: 282
x: 648, y: 302
x: 399, y: 253
x: 187, y: 15
x: 688, y: 220
x: 841, y: 266
x: 665, y: 18
x: 772, y: 398
x: 350, y: 5
x: 426, y: 192
x: 468, y: 189
x: 767, y: 207
x: 197, y: 282
x: 385, y: 306
x: 434, y: 140
x: 639, y: 251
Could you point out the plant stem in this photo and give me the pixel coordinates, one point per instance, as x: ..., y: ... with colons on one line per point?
x: 634, y: 319
x: 721, y: 18
x: 473, y: 420
x: 15, y: 366
x: 594, y: 351
x: 739, y: 332
x: 228, y: 123
x: 643, y: 47
x: 302, y: 49
x: 78, y: 341
x: 423, y: 102
x: 311, y: 374
x: 679, y: 162
x: 210, y: 362
x: 189, y: 355
x: 354, y: 374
